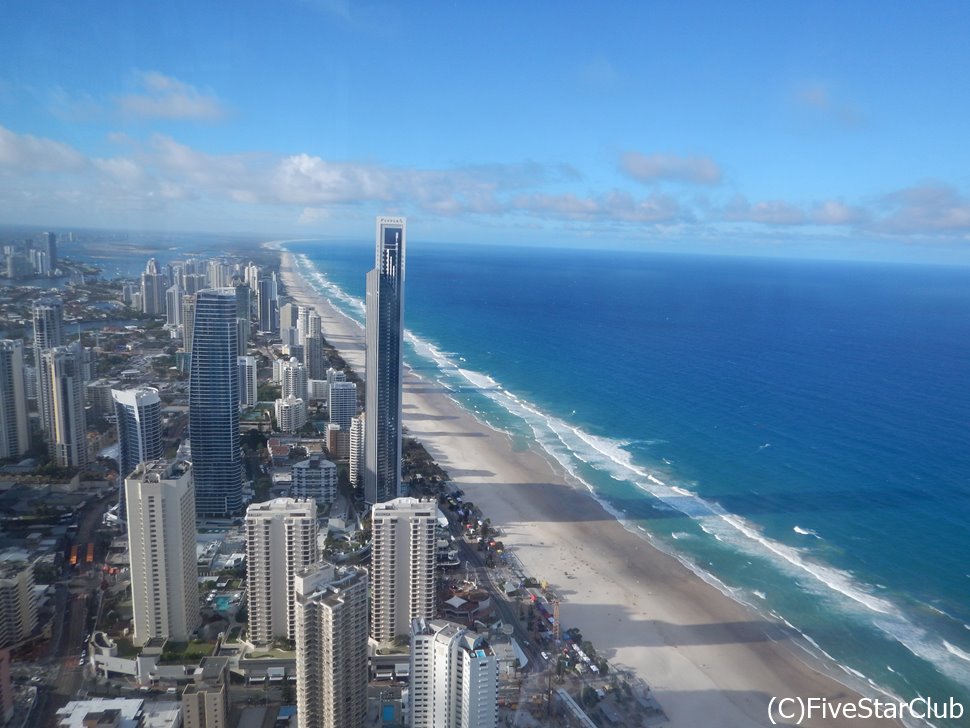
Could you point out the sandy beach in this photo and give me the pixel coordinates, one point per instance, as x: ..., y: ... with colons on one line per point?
x: 710, y: 660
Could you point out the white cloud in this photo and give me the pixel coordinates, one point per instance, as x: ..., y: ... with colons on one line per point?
x: 27, y: 153
x: 670, y: 167
x: 165, y: 97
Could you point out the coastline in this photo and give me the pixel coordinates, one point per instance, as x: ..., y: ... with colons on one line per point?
x: 703, y: 653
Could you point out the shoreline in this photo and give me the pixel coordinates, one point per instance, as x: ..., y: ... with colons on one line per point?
x: 702, y: 652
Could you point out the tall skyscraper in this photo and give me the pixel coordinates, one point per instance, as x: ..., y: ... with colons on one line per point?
x: 152, y: 289
x: 266, y: 299
x: 48, y: 316
x: 14, y: 425
x: 62, y: 380
x: 247, y: 381
x: 243, y: 318
x: 331, y: 647
x: 139, y: 417
x: 161, y: 545
x: 139, y: 414
x: 403, y: 548
x: 356, y: 449
x: 281, y: 540
x: 173, y: 306
x: 384, y: 334
x: 48, y: 244
x: 342, y: 405
x: 188, y: 321
x: 313, y: 356
x: 454, y: 677
x: 214, y: 404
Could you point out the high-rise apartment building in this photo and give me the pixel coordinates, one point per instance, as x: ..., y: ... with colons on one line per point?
x: 139, y: 414
x: 291, y: 414
x: 313, y: 356
x: 247, y: 381
x: 188, y: 321
x: 243, y: 317
x: 281, y: 540
x: 62, y: 380
x: 356, y: 456
x: 315, y: 478
x: 331, y: 647
x: 48, y: 315
x: 268, y: 303
x: 173, y: 306
x: 14, y: 425
x: 18, y: 604
x: 214, y: 404
x: 160, y: 499
x: 139, y: 420
x: 342, y: 403
x: 293, y: 379
x: 384, y: 335
x: 403, y: 548
x: 454, y: 677
x: 152, y: 289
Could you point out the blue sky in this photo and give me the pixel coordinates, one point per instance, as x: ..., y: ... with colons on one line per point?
x: 810, y: 129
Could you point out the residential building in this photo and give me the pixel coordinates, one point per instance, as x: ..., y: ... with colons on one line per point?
x: 160, y: 499
x: 247, y: 381
x: 291, y: 414
x: 403, y: 551
x: 315, y: 478
x: 214, y: 404
x: 14, y: 423
x: 188, y: 321
x: 205, y: 701
x: 48, y: 315
x: 281, y: 540
x: 454, y: 677
x: 293, y: 379
x: 152, y: 290
x: 356, y: 448
x: 62, y: 380
x: 18, y: 606
x: 384, y: 337
x: 331, y: 647
x: 7, y: 705
x: 139, y: 420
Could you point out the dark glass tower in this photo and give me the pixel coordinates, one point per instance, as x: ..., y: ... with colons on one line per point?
x: 213, y: 404
x: 385, y: 332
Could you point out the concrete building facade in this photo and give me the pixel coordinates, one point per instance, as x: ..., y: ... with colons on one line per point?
x: 403, y: 553
x: 281, y: 540
x: 160, y: 498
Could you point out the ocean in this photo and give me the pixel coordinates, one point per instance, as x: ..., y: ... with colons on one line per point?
x: 797, y: 432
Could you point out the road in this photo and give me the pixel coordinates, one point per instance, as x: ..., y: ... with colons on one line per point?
x: 76, y: 601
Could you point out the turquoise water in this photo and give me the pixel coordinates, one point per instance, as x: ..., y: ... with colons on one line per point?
x: 795, y: 431
x: 223, y: 603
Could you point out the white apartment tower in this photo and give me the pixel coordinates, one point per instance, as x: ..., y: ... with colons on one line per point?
x: 160, y: 498
x: 14, y: 425
x: 281, y: 540
x: 247, y: 381
x: 293, y: 378
x: 402, y: 565
x: 291, y: 414
x: 331, y: 647
x: 356, y: 449
x: 454, y: 677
